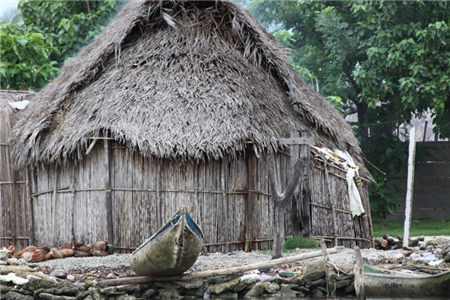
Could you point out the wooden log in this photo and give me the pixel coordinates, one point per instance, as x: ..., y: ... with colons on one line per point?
x: 218, y: 272
x: 382, y: 244
x: 359, y: 275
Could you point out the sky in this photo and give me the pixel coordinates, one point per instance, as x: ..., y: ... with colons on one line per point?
x: 6, y: 5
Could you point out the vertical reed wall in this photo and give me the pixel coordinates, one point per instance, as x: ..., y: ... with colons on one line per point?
x: 14, y: 205
x: 229, y: 198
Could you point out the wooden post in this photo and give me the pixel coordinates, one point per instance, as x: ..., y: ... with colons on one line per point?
x: 410, y: 185
x: 359, y: 275
x: 305, y: 154
x: 300, y: 143
x: 296, y: 198
x: 250, y: 203
x: 330, y: 202
x: 108, y: 190
x: 280, y: 201
x: 328, y: 271
x: 53, y: 213
x: 32, y: 188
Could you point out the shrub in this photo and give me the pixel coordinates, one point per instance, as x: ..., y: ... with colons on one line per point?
x: 301, y: 243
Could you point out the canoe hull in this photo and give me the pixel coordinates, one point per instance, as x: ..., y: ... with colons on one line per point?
x: 392, y: 284
x: 171, y: 251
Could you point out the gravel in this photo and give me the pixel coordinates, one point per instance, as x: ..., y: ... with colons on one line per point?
x: 117, y: 265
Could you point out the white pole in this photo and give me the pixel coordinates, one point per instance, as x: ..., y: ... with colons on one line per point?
x: 410, y: 185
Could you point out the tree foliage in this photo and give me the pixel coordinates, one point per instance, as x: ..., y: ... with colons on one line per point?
x: 25, y: 58
x: 385, y: 60
x: 52, y: 32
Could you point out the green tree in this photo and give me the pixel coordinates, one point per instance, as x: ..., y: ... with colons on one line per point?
x: 69, y: 24
x: 25, y: 58
x: 385, y: 60
x: 52, y: 32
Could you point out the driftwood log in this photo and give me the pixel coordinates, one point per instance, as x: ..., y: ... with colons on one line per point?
x: 219, y: 272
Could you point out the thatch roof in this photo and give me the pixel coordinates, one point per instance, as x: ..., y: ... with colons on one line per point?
x: 189, y: 79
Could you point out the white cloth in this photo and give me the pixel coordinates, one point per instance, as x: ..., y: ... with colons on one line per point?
x: 356, y: 206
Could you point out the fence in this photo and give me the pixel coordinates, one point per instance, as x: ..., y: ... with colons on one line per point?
x: 431, y: 183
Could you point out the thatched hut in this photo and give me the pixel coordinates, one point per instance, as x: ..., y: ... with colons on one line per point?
x: 13, y: 192
x: 180, y: 102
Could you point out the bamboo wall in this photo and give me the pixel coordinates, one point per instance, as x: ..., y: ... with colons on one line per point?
x: 331, y: 217
x: 229, y: 199
x: 14, y: 205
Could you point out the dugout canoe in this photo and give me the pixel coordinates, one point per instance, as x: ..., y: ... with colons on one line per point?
x: 382, y: 283
x: 172, y: 250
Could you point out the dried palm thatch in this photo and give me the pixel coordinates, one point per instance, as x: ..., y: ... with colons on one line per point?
x: 185, y: 79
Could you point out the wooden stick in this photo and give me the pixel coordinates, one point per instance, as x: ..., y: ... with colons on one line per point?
x: 209, y: 273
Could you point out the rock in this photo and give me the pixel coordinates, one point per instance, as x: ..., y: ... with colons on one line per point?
x: 224, y: 287
x: 318, y: 282
x: 54, y: 297
x: 350, y: 289
x: 447, y: 258
x: 3, y: 263
x: 191, y: 284
x: 313, y: 271
x: 4, y: 254
x: 147, y: 294
x: 169, y: 294
x: 317, y: 293
x: 20, y: 269
x: 257, y: 290
x: 59, y: 273
x: 304, y: 289
x: 111, y: 290
x: 272, y: 288
x: 5, y: 289
x: 415, y: 242
x: 16, y: 296
x: 129, y: 288
x: 226, y: 295
x: 287, y: 292
x: 12, y: 277
x: 166, y: 285
x: 245, y: 281
x: 70, y: 277
x: 344, y: 268
x: 13, y: 262
x: 343, y: 283
x: 126, y: 297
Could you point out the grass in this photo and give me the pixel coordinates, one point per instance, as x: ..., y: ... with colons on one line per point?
x: 300, y: 242
x: 428, y: 227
